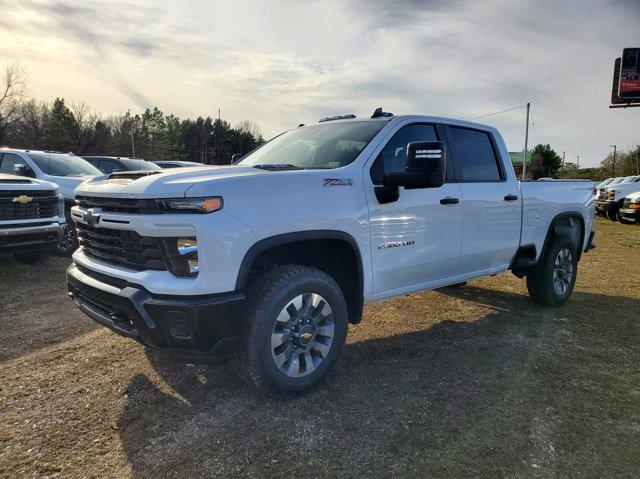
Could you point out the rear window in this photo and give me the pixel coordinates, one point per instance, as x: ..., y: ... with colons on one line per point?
x: 475, y: 154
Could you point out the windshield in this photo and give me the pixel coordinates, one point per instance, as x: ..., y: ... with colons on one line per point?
x: 628, y: 179
x: 605, y: 183
x: 140, y: 165
x: 61, y: 164
x: 318, y: 146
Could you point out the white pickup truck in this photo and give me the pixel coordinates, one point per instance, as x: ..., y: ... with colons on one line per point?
x: 611, y: 197
x: 31, y: 218
x: 63, y: 169
x: 279, y: 252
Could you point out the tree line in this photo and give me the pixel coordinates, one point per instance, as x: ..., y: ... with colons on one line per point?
x: 152, y: 135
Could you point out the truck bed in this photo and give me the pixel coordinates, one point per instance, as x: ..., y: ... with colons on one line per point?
x: 545, y: 200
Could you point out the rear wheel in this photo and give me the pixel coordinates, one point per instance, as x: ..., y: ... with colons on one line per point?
x: 551, y: 282
x: 34, y: 257
x: 612, y: 215
x: 296, y: 329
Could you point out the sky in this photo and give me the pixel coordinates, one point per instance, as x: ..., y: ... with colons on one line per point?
x: 281, y: 63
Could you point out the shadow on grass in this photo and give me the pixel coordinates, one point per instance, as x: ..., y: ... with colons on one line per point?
x: 455, y: 398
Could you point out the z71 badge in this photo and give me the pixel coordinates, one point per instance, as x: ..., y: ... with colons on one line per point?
x: 395, y: 244
x: 338, y: 182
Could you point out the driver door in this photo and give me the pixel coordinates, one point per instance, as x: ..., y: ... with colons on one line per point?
x: 415, y: 240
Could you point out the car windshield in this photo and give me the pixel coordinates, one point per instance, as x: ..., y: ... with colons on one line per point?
x: 628, y: 179
x: 604, y: 183
x: 137, y: 164
x: 329, y: 145
x: 62, y: 164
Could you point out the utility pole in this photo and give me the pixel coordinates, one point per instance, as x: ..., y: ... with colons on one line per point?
x: 578, y: 161
x: 526, y: 143
x: 613, y: 165
x: 218, y: 139
x: 133, y: 146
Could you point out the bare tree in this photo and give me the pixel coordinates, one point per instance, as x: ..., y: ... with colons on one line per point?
x: 12, y: 96
x: 249, y: 126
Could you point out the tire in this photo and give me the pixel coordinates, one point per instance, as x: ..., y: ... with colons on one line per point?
x: 33, y: 257
x: 612, y: 215
x: 281, y: 356
x: 69, y: 242
x: 551, y: 284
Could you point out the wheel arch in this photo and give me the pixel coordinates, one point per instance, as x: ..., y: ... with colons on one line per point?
x: 332, y: 251
x: 563, y: 225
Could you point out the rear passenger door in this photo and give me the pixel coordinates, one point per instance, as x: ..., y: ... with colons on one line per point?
x: 491, y: 203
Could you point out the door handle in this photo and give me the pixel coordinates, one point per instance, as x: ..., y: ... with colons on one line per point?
x: 449, y: 201
x: 511, y: 197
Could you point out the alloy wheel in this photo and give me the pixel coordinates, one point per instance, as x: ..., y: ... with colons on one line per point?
x: 563, y: 271
x: 302, y: 335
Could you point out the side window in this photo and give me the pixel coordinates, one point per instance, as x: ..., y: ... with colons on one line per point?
x: 9, y: 160
x: 393, y: 157
x: 475, y: 154
x: 107, y: 166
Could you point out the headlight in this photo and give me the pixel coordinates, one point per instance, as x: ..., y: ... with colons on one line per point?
x: 634, y: 203
x: 180, y: 256
x: 191, y: 205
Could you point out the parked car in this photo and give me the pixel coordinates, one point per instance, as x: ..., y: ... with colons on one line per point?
x: 31, y: 218
x: 64, y: 169
x: 177, y: 164
x: 278, y: 253
x: 109, y: 164
x: 614, y: 195
x: 630, y: 210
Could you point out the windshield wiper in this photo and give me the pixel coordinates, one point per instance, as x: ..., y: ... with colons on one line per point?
x: 278, y: 166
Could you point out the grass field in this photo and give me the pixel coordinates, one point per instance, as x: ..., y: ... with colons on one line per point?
x: 476, y: 381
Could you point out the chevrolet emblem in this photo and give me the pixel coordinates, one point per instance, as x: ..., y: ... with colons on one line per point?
x: 23, y: 199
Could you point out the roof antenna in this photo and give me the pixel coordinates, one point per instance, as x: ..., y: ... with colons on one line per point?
x: 381, y: 114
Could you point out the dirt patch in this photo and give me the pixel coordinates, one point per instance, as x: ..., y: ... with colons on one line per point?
x: 476, y: 380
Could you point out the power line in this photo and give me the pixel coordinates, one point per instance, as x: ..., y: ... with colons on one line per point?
x: 497, y: 112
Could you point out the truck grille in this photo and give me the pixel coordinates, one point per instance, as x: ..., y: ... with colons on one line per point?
x: 44, y: 204
x: 120, y: 247
x: 118, y: 205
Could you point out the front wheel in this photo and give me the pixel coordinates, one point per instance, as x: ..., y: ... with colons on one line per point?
x: 551, y: 282
x: 69, y: 242
x: 296, y: 326
x: 612, y: 215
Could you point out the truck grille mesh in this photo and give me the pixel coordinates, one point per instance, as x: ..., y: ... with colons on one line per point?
x: 118, y: 205
x: 43, y: 205
x: 120, y: 247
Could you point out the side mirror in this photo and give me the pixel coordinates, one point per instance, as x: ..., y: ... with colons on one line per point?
x: 236, y: 157
x: 425, y: 166
x: 20, y: 170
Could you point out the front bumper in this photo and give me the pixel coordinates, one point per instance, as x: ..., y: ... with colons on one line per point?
x: 193, y: 326
x: 21, y: 239
x: 607, y: 206
x: 630, y: 214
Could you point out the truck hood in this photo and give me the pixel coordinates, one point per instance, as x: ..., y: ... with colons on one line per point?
x: 169, y: 183
x: 21, y: 183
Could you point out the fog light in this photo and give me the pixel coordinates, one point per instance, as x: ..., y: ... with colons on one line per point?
x: 180, y: 256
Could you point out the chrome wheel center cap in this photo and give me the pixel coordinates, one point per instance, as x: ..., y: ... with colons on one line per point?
x: 305, y: 335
